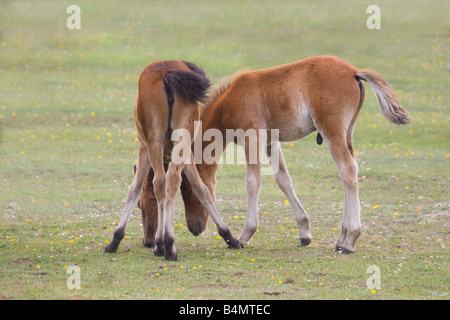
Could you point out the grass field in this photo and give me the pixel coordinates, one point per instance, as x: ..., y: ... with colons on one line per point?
x: 68, y: 145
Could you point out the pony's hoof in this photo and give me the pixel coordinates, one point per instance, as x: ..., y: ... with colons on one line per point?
x: 111, y: 248
x: 171, y: 252
x: 346, y: 251
x: 171, y: 257
x: 148, y: 244
x: 159, y: 251
x: 304, y: 242
x: 234, y: 244
x: 118, y: 235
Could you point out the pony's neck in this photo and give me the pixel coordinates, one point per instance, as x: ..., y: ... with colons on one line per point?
x: 210, y: 120
x: 212, y: 117
x: 212, y: 109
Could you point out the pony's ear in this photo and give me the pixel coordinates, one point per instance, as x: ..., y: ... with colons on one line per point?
x: 134, y: 170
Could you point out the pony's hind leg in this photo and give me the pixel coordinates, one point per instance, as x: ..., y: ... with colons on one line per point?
x: 348, y: 171
x: 284, y: 182
x: 133, y: 196
x: 173, y: 182
x: 155, y: 155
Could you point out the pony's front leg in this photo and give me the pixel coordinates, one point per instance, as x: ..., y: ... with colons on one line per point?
x: 133, y: 196
x: 284, y: 182
x: 204, y: 197
x: 253, y: 184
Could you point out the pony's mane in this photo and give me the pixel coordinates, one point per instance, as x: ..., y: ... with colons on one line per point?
x: 216, y: 90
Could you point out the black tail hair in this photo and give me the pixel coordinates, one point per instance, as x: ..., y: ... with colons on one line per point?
x: 191, y: 86
x: 195, y: 68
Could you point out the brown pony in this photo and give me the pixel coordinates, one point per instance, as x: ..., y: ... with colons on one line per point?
x: 167, y: 103
x: 322, y: 93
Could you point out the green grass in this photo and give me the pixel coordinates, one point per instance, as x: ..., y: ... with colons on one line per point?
x: 68, y: 147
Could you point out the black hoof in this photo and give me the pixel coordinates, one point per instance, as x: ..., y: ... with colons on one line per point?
x: 345, y: 251
x: 110, y: 249
x: 233, y: 244
x: 304, y: 242
x: 159, y: 251
x: 171, y: 257
x: 118, y: 235
x: 171, y: 251
x: 148, y: 244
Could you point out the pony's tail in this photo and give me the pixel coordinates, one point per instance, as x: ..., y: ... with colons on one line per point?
x: 389, y: 105
x: 190, y: 85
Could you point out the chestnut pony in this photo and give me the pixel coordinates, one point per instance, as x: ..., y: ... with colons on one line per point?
x: 167, y: 102
x: 322, y: 93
